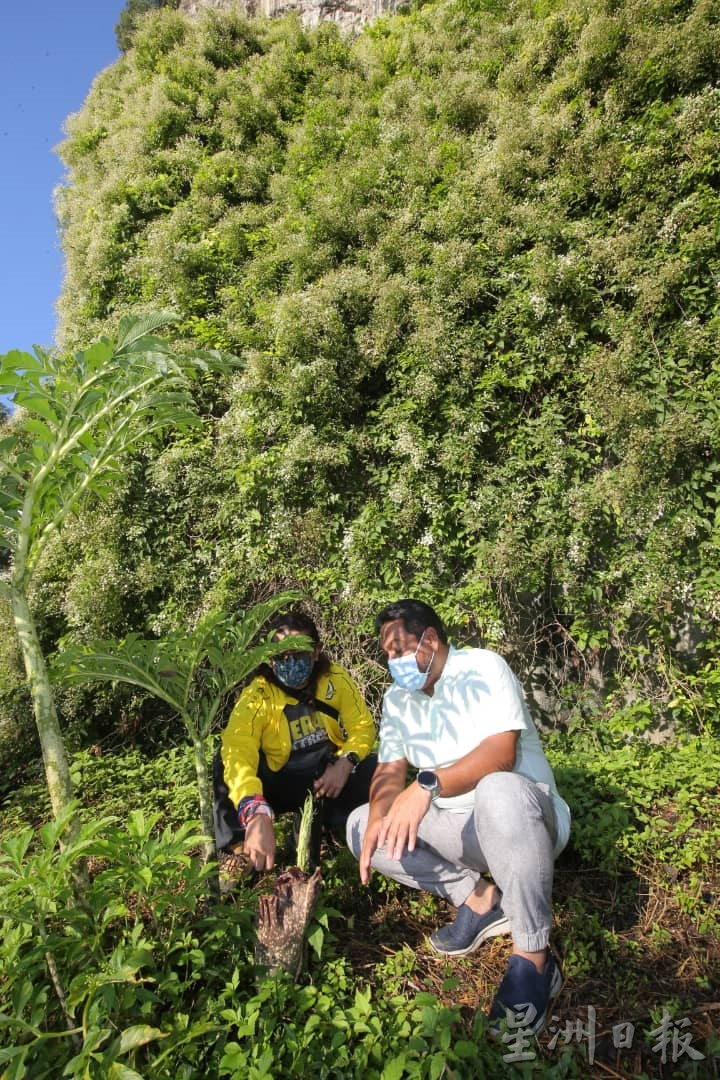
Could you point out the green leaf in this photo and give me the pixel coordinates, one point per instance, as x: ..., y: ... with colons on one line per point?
x: 36, y: 403
x: 16, y: 1055
x: 41, y: 431
x: 123, y: 1072
x: 394, y: 1069
x: 7, y: 444
x: 316, y: 937
x: 16, y: 1021
x: 15, y: 848
x: 132, y: 329
x: 16, y: 361
x: 139, y: 1035
x: 96, y: 356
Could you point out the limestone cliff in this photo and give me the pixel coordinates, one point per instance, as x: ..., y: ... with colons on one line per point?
x: 349, y: 14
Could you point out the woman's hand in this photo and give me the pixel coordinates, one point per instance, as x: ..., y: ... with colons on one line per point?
x: 334, y: 779
x: 259, y: 843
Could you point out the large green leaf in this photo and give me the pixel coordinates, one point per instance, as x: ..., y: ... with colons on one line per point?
x: 139, y: 1035
x: 191, y: 671
x: 133, y: 330
x: 83, y: 415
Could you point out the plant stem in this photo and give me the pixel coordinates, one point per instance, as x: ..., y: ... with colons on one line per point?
x: 57, y: 769
x: 203, y: 783
x: 57, y: 984
x: 304, y: 832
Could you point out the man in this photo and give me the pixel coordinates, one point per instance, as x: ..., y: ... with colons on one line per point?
x: 484, y: 801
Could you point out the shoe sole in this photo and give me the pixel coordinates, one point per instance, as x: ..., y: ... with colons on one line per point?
x: 495, y: 1032
x: 502, y: 926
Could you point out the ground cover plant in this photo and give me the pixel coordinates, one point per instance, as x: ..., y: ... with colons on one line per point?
x: 151, y: 978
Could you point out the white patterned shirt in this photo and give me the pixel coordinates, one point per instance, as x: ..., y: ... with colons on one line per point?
x: 477, y: 695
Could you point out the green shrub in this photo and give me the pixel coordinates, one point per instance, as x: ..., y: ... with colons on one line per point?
x: 469, y: 259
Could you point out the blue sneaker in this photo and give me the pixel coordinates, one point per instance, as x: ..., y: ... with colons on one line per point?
x: 469, y: 930
x: 524, y: 996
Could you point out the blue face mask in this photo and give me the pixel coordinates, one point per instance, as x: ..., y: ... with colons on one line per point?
x: 293, y: 670
x: 405, y: 670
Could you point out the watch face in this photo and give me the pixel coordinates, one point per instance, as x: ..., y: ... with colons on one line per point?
x: 428, y: 780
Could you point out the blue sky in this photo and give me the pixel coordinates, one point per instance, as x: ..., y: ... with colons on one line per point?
x: 50, y: 52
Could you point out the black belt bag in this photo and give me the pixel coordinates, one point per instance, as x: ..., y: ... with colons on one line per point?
x: 311, y: 762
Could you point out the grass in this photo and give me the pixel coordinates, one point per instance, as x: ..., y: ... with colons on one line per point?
x: 637, y: 925
x: 626, y: 946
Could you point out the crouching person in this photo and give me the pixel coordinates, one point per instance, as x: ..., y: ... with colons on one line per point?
x: 482, y: 822
x: 300, y: 726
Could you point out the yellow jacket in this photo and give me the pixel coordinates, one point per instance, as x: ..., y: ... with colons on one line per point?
x: 258, y: 722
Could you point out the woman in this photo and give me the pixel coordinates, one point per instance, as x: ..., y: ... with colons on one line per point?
x: 301, y: 725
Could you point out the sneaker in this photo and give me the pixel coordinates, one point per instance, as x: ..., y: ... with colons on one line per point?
x: 524, y: 996
x: 469, y: 930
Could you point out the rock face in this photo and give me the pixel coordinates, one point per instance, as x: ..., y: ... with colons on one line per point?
x: 349, y: 14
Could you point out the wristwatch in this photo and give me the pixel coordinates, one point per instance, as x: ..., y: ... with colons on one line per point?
x: 428, y: 781
x: 352, y: 758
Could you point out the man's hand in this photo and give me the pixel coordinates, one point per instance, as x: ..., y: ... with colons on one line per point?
x: 260, y: 842
x: 370, y: 843
x: 398, y: 829
x: 387, y: 784
x: 334, y: 779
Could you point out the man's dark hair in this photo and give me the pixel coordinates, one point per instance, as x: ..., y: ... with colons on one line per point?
x: 416, y: 617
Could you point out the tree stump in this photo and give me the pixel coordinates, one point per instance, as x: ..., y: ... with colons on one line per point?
x: 283, y: 918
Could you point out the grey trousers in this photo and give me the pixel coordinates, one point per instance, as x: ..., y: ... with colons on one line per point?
x: 510, y: 833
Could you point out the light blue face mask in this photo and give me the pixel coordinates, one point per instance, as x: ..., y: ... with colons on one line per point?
x: 293, y: 670
x: 405, y: 670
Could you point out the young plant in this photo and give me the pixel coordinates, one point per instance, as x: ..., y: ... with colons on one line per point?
x: 75, y: 420
x: 86, y: 989
x: 284, y: 914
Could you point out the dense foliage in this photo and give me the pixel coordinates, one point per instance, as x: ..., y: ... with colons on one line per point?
x: 130, y: 15
x: 470, y: 261
x: 148, y: 979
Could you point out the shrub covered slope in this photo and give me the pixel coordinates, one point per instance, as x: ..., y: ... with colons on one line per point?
x: 470, y: 262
